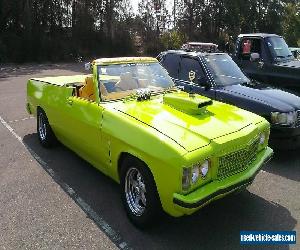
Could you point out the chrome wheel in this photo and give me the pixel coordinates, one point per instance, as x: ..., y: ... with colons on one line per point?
x: 135, y: 191
x: 42, y: 127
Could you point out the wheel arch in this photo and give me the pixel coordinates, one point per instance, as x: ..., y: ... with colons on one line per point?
x: 123, y: 155
x: 38, y: 107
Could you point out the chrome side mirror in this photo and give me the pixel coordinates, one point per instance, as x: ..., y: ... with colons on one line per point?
x: 203, y: 81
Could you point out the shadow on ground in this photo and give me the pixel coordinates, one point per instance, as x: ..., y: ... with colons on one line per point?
x: 217, y: 226
x: 285, y: 164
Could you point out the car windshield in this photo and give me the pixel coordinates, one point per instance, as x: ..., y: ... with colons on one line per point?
x: 118, y: 81
x: 279, y: 48
x: 224, y: 70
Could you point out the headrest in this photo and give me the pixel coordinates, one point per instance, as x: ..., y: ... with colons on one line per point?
x: 126, y: 82
x: 127, y: 76
x: 89, y: 80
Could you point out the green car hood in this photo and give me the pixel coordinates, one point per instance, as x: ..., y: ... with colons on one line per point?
x: 190, y: 129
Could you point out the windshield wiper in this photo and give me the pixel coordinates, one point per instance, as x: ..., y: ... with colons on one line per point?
x: 171, y: 89
x: 245, y: 83
x: 164, y: 90
x: 249, y: 83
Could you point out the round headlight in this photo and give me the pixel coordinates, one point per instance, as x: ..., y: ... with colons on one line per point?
x: 195, y: 174
x: 204, y: 168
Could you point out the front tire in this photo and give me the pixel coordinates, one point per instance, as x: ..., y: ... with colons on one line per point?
x: 44, y: 131
x: 139, y: 193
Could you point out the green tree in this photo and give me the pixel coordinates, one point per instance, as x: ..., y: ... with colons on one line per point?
x: 291, y: 24
x: 172, y: 39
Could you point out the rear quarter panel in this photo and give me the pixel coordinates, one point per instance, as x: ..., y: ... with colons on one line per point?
x: 51, y: 98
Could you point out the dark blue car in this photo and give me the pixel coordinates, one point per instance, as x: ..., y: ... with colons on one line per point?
x: 217, y: 76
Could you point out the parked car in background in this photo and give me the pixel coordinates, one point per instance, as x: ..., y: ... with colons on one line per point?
x: 168, y: 149
x: 217, y: 76
x: 200, y: 47
x: 267, y: 58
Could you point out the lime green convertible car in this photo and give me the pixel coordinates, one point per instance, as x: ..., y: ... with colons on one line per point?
x: 169, y: 150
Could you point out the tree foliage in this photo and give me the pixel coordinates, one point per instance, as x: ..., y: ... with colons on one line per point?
x: 40, y: 30
x: 291, y: 24
x: 172, y: 40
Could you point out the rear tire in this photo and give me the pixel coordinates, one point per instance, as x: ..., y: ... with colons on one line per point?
x: 44, y: 131
x: 139, y: 193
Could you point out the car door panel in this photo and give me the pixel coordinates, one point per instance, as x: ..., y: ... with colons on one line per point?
x: 83, y: 121
x: 257, y: 69
x: 190, y: 84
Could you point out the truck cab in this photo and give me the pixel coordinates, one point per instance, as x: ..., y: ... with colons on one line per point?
x: 267, y: 58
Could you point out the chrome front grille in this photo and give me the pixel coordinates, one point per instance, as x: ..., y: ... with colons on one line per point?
x: 237, y: 161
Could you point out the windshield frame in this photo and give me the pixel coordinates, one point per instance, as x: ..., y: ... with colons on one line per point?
x: 214, y: 75
x: 134, y: 92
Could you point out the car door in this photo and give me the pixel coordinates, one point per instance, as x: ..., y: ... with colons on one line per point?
x: 254, y: 69
x: 83, y: 121
x: 193, y: 78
